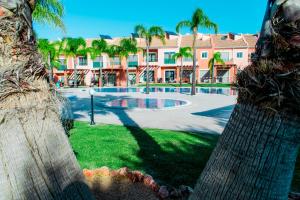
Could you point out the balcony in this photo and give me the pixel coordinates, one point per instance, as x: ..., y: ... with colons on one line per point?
x: 133, y: 63
x: 62, y: 67
x: 98, y: 64
x: 169, y: 61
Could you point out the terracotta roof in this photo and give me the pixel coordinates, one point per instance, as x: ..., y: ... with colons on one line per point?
x: 251, y: 40
x: 187, y: 41
x: 223, y: 41
x: 157, y: 43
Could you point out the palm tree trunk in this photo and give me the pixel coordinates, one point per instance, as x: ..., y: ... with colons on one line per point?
x: 100, y: 77
x: 254, y: 158
x: 213, y: 71
x: 36, y: 160
x: 181, y: 71
x: 75, y: 72
x: 50, y: 70
x: 193, y: 92
x: 127, y: 75
x: 147, y: 71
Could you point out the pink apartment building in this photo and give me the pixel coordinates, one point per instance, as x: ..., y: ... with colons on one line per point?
x: 236, y: 50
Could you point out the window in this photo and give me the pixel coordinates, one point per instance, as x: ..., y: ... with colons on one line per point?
x: 63, y: 64
x: 132, y: 61
x: 225, y: 56
x: 116, y: 61
x: 204, y: 55
x: 152, y: 57
x: 239, y: 55
x: 82, y: 60
x: 98, y: 62
x: 187, y: 59
x: 168, y: 58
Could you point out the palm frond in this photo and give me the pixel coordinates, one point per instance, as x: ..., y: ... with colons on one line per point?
x: 140, y: 30
x: 49, y: 12
x: 183, y: 24
x: 158, y: 32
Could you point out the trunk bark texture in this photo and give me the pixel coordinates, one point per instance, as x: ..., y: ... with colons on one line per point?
x: 36, y: 160
x: 181, y: 71
x: 254, y: 158
x: 193, y: 92
x: 147, y: 69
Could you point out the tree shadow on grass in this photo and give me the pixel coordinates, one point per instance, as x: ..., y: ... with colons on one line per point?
x: 168, y: 162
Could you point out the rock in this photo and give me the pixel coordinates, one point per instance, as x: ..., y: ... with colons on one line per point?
x: 163, y: 192
x: 88, y: 173
x: 185, y: 190
x: 103, y: 171
x: 123, y: 171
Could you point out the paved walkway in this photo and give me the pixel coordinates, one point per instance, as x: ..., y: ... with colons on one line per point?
x: 205, y: 113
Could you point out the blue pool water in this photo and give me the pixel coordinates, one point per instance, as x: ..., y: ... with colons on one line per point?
x: 147, y: 103
x: 224, y: 91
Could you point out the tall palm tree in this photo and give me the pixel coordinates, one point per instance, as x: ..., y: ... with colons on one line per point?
x: 256, y: 154
x: 148, y: 35
x: 72, y: 47
x: 217, y: 58
x: 34, y: 147
x: 50, y: 53
x: 49, y: 12
x: 98, y: 47
x: 127, y: 46
x: 199, y: 20
x: 184, y: 52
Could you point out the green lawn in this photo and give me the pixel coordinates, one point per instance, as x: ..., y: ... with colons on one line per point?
x: 186, y: 85
x: 171, y: 157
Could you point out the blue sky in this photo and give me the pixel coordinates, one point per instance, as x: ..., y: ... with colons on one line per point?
x: 89, y: 18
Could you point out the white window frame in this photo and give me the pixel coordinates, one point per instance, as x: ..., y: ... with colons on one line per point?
x: 156, y: 56
x: 204, y: 58
x: 87, y: 60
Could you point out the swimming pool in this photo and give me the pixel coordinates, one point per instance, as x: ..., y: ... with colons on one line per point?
x: 184, y: 90
x: 147, y: 103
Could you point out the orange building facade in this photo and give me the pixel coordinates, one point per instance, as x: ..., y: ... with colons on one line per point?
x: 235, y: 49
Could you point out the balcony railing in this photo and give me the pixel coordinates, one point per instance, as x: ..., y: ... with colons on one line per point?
x: 133, y: 63
x: 98, y: 64
x: 170, y: 61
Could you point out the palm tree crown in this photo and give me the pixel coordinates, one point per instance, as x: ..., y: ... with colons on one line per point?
x: 74, y: 46
x: 49, y: 51
x: 199, y: 19
x: 184, y: 52
x: 127, y: 46
x: 49, y: 12
x: 149, y: 34
x: 217, y: 58
x: 97, y: 48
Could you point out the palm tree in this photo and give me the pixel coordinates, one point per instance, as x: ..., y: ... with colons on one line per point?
x: 112, y: 51
x: 217, y: 58
x: 98, y: 47
x: 127, y: 46
x: 148, y: 35
x: 184, y: 52
x: 49, y: 12
x: 199, y: 19
x: 255, y: 156
x: 50, y: 53
x: 34, y: 146
x: 72, y: 47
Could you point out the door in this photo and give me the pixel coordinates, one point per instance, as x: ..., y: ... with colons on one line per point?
x: 132, y: 79
x: 170, y: 76
x: 223, y: 76
x: 111, y: 80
